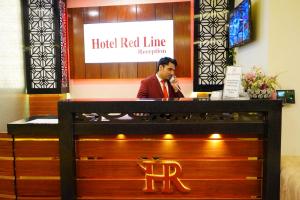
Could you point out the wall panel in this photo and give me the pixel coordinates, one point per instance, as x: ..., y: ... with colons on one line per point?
x: 207, y: 189
x: 164, y: 11
x: 44, y: 104
x: 109, y: 14
x: 92, y: 16
x: 7, y: 176
x: 230, y: 168
x: 36, y: 148
x: 37, y: 168
x: 196, y: 149
x: 34, y: 167
x: 28, y: 187
x: 182, y: 38
x: 7, y: 188
x: 146, y: 69
x: 78, y: 48
x: 145, y: 12
x: 127, y: 14
x: 179, y: 12
x: 213, y: 168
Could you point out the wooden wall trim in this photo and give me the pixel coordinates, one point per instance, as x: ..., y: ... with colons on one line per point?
x: 7, y: 172
x: 180, y: 12
x: 92, y: 3
x: 44, y: 104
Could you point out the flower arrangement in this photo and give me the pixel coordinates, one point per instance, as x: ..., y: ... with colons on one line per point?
x: 259, y: 85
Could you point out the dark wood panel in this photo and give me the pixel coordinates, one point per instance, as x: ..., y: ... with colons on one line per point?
x: 164, y: 11
x: 78, y: 44
x: 92, y: 16
x: 108, y: 14
x: 145, y: 12
x: 92, y: 71
x: 184, y: 136
x: 192, y: 198
x: 38, y: 188
x: 5, y: 147
x: 44, y: 104
x: 182, y: 38
x: 109, y: 70
x: 6, y: 167
x: 36, y: 148
x: 43, y: 110
x: 37, y: 168
x: 6, y: 187
x: 127, y: 14
x: 169, y: 149
x: 160, y: 11
x: 192, y: 169
x: 5, y: 135
x: 146, y: 69
x: 199, y: 188
x: 46, y: 98
x: 39, y: 198
x: 128, y: 70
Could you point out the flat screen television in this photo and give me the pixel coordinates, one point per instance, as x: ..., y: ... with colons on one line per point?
x: 240, y: 24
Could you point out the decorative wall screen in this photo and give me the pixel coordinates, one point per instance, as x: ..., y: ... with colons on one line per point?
x: 63, y: 19
x: 45, y: 38
x: 211, y: 53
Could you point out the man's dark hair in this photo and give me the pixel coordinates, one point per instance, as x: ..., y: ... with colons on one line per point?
x: 165, y: 61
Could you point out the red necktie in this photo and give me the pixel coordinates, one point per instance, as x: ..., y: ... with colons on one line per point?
x: 165, y: 91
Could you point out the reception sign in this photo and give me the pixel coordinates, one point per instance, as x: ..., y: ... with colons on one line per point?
x: 145, y: 41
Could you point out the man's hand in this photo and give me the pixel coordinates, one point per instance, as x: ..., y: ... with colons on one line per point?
x: 175, y: 84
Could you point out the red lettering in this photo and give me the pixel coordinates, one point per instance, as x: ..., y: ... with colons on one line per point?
x: 124, y: 42
x: 95, y: 43
x: 145, y: 42
x: 102, y: 45
x: 154, y: 42
x: 130, y: 43
x: 113, y: 43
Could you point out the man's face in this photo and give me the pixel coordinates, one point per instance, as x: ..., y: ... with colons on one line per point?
x: 167, y: 71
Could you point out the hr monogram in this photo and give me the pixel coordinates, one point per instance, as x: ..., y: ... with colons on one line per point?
x: 171, y: 171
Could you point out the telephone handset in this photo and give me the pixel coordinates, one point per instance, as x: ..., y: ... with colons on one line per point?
x: 173, y: 80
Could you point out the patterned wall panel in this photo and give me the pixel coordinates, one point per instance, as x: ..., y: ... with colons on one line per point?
x: 64, y: 44
x: 211, y: 53
x: 45, y: 46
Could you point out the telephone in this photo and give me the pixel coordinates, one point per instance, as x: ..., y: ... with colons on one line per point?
x: 172, y: 80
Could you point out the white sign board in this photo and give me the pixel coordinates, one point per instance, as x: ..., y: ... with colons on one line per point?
x: 144, y: 41
x: 232, y: 82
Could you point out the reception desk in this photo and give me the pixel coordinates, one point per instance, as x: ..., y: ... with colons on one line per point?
x: 135, y: 149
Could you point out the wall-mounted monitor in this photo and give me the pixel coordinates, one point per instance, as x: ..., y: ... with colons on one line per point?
x: 240, y: 24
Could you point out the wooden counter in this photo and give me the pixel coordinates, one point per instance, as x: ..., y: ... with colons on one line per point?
x: 183, y: 149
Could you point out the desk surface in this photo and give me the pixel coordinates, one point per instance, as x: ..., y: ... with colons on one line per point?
x: 25, y: 128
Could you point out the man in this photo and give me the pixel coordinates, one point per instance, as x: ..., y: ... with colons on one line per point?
x: 159, y: 84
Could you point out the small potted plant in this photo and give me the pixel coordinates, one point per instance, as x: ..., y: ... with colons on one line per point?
x: 258, y: 85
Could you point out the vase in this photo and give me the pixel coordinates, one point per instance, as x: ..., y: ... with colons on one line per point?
x: 259, y: 94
